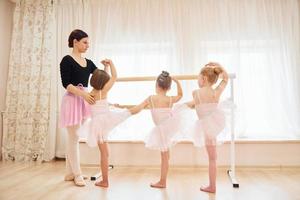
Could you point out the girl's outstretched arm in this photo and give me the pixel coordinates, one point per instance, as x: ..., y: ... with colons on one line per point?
x: 190, y: 104
x: 136, y: 109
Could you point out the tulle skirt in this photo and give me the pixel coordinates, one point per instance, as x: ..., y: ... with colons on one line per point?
x: 101, y: 124
x: 167, y: 133
x: 212, y: 125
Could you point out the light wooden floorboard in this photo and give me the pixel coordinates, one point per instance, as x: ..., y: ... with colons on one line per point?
x: 45, y: 181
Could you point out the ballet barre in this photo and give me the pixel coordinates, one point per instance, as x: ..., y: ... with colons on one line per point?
x: 231, y: 171
x: 153, y: 78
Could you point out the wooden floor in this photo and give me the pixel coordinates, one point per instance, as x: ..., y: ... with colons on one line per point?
x: 45, y: 181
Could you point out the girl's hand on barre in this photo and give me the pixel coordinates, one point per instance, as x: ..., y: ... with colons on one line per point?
x: 174, y: 79
x: 103, y: 62
x: 107, y: 62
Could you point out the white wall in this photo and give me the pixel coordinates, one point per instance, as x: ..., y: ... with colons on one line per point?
x: 248, y: 154
x: 6, y: 21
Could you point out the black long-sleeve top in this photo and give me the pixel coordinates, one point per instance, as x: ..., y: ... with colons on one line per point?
x: 73, y: 73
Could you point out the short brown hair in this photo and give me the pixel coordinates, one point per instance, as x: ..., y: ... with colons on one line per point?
x: 164, y: 80
x: 212, y: 73
x: 99, y: 79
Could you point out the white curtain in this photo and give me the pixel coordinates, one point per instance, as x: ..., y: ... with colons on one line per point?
x: 258, y: 40
x: 27, y: 120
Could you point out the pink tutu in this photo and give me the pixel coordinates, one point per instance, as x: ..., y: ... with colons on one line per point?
x: 210, y: 128
x: 102, y: 122
x: 168, y: 128
x: 73, y: 109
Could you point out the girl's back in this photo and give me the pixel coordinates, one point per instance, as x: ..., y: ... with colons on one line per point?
x: 160, y: 101
x: 205, y: 96
x: 161, y: 108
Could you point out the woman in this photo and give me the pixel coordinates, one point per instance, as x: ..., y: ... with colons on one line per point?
x: 75, y: 71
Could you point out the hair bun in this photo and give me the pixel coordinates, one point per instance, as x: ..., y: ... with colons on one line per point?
x: 164, y: 80
x: 218, y: 70
x: 165, y: 73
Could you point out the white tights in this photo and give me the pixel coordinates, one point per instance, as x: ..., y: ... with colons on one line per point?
x: 72, y: 151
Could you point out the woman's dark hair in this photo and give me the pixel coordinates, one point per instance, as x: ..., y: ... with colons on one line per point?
x: 164, y: 80
x: 99, y: 79
x: 76, y: 34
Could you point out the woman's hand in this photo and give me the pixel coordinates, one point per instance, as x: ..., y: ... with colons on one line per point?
x: 89, y: 98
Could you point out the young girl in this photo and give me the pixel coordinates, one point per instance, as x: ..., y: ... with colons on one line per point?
x: 103, y: 120
x: 211, y: 118
x: 162, y: 136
